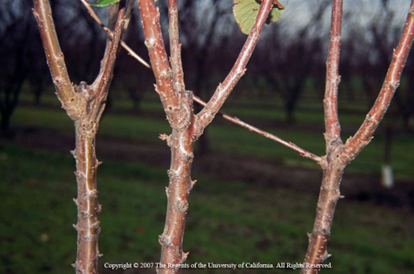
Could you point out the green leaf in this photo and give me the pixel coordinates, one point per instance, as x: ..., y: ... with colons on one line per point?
x: 246, y: 11
x: 104, y: 3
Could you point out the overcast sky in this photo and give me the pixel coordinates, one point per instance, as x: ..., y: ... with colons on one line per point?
x: 362, y: 11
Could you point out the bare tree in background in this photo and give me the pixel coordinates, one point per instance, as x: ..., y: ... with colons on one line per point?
x: 38, y: 75
x: 84, y: 40
x: 199, y: 34
x: 131, y: 85
x: 15, y: 28
x: 292, y: 59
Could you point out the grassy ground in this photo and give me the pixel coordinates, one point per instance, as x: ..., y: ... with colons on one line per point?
x: 228, y: 222
x: 233, y: 140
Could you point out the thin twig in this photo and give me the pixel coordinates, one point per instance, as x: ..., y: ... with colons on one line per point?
x: 135, y: 55
x: 268, y: 135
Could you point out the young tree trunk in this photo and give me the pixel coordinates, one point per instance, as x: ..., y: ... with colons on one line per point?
x: 339, y: 155
x: 87, y: 201
x: 186, y: 126
x: 84, y: 104
x: 329, y: 195
x: 180, y: 185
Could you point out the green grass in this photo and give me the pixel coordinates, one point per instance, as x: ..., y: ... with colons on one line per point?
x: 227, y: 222
x: 243, y: 107
x: 313, y: 117
x: 232, y: 140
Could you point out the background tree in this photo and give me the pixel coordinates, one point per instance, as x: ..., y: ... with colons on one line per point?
x: 288, y: 73
x: 16, y: 30
x: 136, y: 79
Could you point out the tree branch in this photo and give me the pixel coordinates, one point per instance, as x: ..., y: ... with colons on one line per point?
x: 332, y: 126
x: 64, y: 89
x: 268, y: 135
x: 224, y: 89
x: 170, y: 97
x: 363, y: 136
x: 175, y: 47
